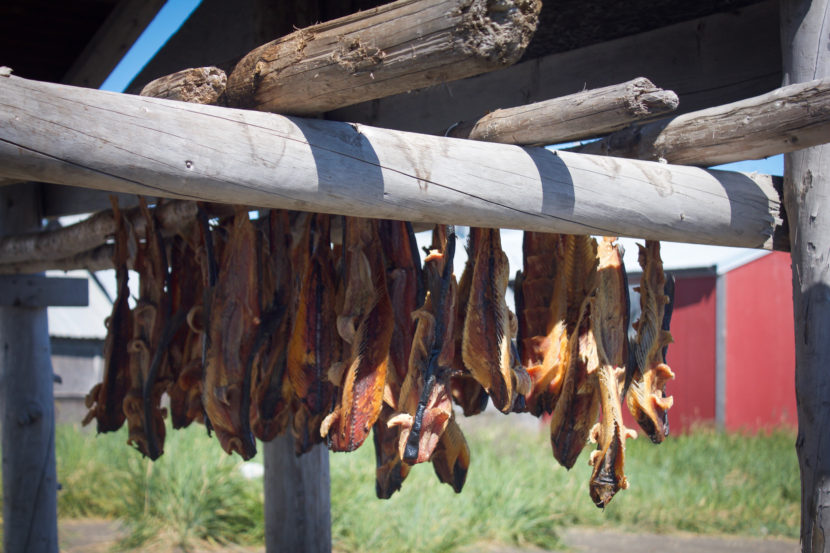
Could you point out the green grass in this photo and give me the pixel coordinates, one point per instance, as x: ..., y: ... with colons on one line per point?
x: 707, y: 482
x: 194, y: 492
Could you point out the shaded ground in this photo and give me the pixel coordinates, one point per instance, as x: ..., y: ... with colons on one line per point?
x: 99, y: 536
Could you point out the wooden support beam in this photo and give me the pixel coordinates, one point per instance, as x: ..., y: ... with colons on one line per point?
x: 718, y: 65
x: 96, y: 259
x: 114, y: 38
x: 585, y: 114
x: 89, y: 233
x: 804, y: 27
x: 109, y: 141
x: 297, y: 502
x: 41, y: 291
x: 30, y: 516
x: 784, y: 120
x: 400, y: 46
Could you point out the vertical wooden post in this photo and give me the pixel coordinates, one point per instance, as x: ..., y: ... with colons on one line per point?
x: 297, y: 507
x: 30, y: 522
x: 805, y: 35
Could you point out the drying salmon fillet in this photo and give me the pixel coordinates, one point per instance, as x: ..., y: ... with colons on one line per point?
x: 646, y: 381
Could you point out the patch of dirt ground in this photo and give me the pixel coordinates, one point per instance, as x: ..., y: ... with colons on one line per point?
x: 101, y: 536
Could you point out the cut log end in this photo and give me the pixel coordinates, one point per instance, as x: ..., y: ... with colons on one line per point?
x: 198, y: 85
x: 645, y: 99
x: 498, y: 30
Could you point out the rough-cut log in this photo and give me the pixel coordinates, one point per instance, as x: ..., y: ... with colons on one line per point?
x: 199, y: 85
x: 719, y: 65
x: 30, y: 515
x: 582, y: 115
x: 95, y: 139
x: 784, y: 120
x: 804, y: 26
x: 87, y: 234
x: 394, y: 48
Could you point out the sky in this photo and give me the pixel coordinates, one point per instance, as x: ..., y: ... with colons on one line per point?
x: 175, y: 12
x: 167, y: 21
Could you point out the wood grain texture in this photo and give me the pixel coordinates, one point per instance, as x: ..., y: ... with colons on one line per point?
x: 96, y: 259
x: 784, y: 120
x: 573, y: 117
x: 706, y: 61
x: 297, y: 504
x: 401, y: 46
x: 199, y: 85
x: 61, y: 134
x: 88, y: 234
x: 804, y: 26
x: 30, y: 517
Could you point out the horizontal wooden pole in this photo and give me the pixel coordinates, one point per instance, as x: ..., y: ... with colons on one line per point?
x: 110, y: 141
x: 96, y: 259
x: 41, y: 291
x: 719, y: 65
x: 784, y: 120
x: 387, y: 50
x: 585, y: 114
x: 87, y: 234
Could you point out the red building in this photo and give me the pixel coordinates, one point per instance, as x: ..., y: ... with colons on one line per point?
x: 734, y: 353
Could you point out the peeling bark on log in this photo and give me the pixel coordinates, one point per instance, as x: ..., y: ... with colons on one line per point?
x: 804, y: 26
x: 65, y: 135
x: 198, y: 85
x: 582, y: 115
x: 784, y: 120
x: 393, y: 48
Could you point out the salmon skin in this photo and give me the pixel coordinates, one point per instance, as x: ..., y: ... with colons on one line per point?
x: 609, y: 326
x: 310, y: 348
x: 489, y: 327
x: 406, y: 293
x: 105, y: 400
x: 271, y: 396
x: 235, y: 315
x: 451, y: 458
x: 559, y: 274
x: 184, y: 351
x: 425, y: 405
x: 467, y: 392
x: 142, y: 404
x: 366, y: 323
x: 646, y: 382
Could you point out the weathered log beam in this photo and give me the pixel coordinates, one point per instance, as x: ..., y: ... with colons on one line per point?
x: 390, y: 49
x: 96, y: 259
x: 585, y: 114
x: 108, y: 141
x: 718, y: 66
x: 87, y: 234
x: 784, y: 120
x: 804, y: 25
